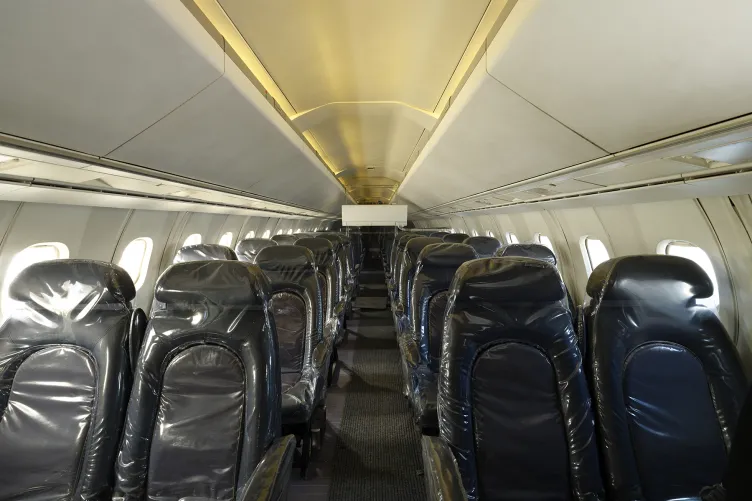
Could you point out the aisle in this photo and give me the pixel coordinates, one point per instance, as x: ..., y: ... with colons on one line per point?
x: 378, y: 449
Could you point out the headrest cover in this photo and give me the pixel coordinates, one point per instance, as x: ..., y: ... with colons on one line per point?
x: 439, y: 234
x: 321, y: 248
x: 484, y: 246
x: 285, y: 239
x: 659, y: 276
x: 513, y: 280
x: 443, y: 255
x: 402, y: 242
x: 204, y: 252
x: 414, y: 246
x: 64, y: 280
x: 336, y: 241
x: 248, y: 249
x: 455, y: 238
x: 225, y: 283
x: 286, y: 263
x: 533, y: 251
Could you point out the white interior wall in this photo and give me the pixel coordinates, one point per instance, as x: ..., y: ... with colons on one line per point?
x: 721, y: 226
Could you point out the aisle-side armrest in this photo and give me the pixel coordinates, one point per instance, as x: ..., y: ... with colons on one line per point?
x: 443, y: 481
x: 271, y: 478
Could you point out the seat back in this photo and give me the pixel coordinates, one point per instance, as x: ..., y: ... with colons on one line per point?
x: 484, y: 246
x: 205, y: 403
x: 455, y: 238
x: 248, y: 249
x: 394, y: 250
x: 439, y: 234
x: 408, y: 265
x: 534, y: 251
x: 204, y: 252
x: 285, y: 239
x: 296, y: 306
x: 64, y: 379
x: 513, y: 400
x: 136, y: 335
x: 340, y: 263
x: 437, y: 264
x: 399, y: 257
x: 667, y: 380
x: 323, y: 256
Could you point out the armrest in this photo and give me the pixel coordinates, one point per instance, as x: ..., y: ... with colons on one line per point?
x: 443, y: 481
x: 410, y: 350
x: 272, y: 475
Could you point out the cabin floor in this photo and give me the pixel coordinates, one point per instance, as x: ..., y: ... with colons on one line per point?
x: 371, y: 449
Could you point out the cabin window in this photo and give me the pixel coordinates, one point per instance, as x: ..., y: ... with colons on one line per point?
x: 593, y: 252
x: 475, y: 233
x: 194, y: 239
x: 267, y: 234
x: 489, y: 233
x: 135, y: 259
x: 694, y: 253
x: 289, y: 232
x: 46, y: 251
x: 226, y: 239
x: 544, y: 240
x: 250, y: 234
x: 512, y: 238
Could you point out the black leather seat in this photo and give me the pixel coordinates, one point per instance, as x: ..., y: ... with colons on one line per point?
x: 455, y: 238
x: 439, y: 234
x: 136, y: 334
x: 421, y: 344
x: 534, y: 251
x: 304, y: 352
x: 204, y: 252
x: 514, y: 408
x: 285, y: 239
x: 248, y: 249
x: 393, y: 286
x: 484, y: 246
x: 204, y: 416
x: 64, y: 379
x: 667, y: 380
x: 342, y: 281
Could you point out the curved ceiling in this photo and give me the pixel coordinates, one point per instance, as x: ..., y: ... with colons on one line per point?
x: 364, y: 81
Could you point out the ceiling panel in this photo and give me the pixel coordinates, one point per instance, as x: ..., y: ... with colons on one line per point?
x: 89, y: 75
x: 490, y: 137
x: 628, y: 73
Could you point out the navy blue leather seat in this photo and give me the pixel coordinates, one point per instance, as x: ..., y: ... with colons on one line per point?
x: 204, y: 252
x: 421, y: 344
x: 667, y: 381
x: 484, y: 246
x: 65, y: 377
x: 514, y: 408
x: 534, y: 251
x: 455, y: 238
x: 284, y: 239
x: 248, y: 249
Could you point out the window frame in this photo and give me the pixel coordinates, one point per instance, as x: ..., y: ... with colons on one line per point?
x: 226, y: 234
x: 143, y: 265
x: 189, y: 240
x: 663, y: 247
x: 511, y: 238
x: 251, y: 234
x: 267, y: 234
x: 585, y: 250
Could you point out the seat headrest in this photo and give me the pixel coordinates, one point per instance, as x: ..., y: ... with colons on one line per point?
x: 336, y: 241
x: 439, y: 234
x: 484, y: 246
x: 533, y: 251
x: 285, y: 239
x: 402, y: 242
x: 455, y: 238
x: 63, y: 285
x: 670, y: 278
x: 225, y: 283
x: 248, y: 249
x: 321, y: 248
x: 204, y: 252
x: 286, y: 263
x: 513, y: 280
x: 414, y: 246
x: 443, y: 255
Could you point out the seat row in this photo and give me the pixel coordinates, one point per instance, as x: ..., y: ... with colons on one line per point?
x: 493, y: 366
x: 232, y: 370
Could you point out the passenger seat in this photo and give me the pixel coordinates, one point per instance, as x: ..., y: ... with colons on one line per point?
x: 285, y: 239
x: 204, y: 252
x: 484, y: 246
x: 514, y: 409
x: 203, y: 420
x: 248, y: 249
x: 455, y: 238
x: 668, y: 383
x: 65, y: 377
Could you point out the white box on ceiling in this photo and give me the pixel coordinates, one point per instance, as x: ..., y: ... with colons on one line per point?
x: 374, y: 215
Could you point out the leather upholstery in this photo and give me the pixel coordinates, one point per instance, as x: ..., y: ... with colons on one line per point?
x: 668, y: 383
x: 439, y: 234
x: 513, y: 401
x: 534, y: 251
x: 204, y: 252
x: 421, y: 346
x: 323, y: 255
x: 205, y: 406
x: 64, y: 379
x: 484, y: 246
x: 341, y: 280
x: 248, y: 249
x: 298, y: 314
x: 285, y: 239
x: 409, y: 265
x: 455, y: 238
x: 136, y: 334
